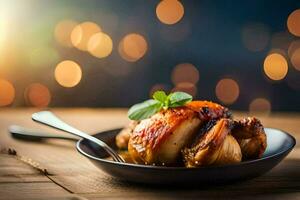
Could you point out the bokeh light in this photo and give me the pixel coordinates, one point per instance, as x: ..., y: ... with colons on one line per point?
x: 68, y: 73
x: 133, y: 47
x: 294, y: 54
x: 30, y: 40
x: 169, y: 11
x: 7, y: 92
x: 62, y: 32
x: 37, y: 95
x: 187, y: 87
x: 293, y: 47
x: 156, y: 87
x: 295, y: 59
x: 100, y: 45
x: 259, y: 106
x: 82, y: 33
x: 275, y: 66
x: 185, y: 72
x: 293, y: 22
x: 255, y: 36
x: 227, y: 90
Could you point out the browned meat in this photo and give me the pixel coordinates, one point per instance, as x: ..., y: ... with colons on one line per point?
x: 160, y: 139
x: 216, y: 146
x: 251, y: 136
x: 122, y: 138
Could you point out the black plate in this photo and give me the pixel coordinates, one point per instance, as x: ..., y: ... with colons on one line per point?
x: 280, y: 144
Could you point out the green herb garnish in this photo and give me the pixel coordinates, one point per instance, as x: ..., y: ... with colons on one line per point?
x: 160, y: 101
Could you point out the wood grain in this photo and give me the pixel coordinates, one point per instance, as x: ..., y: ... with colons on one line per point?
x: 19, y: 180
x: 71, y: 173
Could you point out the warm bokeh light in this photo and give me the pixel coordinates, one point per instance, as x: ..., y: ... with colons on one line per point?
x: 68, y: 73
x: 157, y: 87
x: 260, y: 106
x: 100, y: 45
x: 133, y: 47
x: 295, y: 59
x: 227, y: 90
x: 293, y: 22
x: 82, y: 33
x: 7, y: 93
x: 255, y: 36
x: 169, y: 11
x: 37, y: 95
x: 62, y: 32
x: 187, y: 87
x: 294, y: 54
x: 185, y: 72
x: 293, y: 47
x: 275, y: 66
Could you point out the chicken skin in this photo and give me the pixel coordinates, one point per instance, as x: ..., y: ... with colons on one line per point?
x: 216, y: 146
x: 197, y: 134
x: 250, y: 134
x: 159, y: 139
x: 208, y: 110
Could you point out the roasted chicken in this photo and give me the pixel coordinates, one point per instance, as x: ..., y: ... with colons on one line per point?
x: 196, y: 134
x: 216, y: 146
x: 250, y: 134
x: 123, y: 137
x: 160, y: 139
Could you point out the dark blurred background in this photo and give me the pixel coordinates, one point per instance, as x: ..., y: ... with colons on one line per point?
x: 114, y: 53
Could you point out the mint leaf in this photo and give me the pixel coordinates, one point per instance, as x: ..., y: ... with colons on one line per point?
x: 148, y: 108
x: 160, y: 96
x: 144, y: 110
x: 179, y: 99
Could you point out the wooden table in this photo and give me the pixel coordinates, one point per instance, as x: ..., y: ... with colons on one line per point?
x: 54, y: 170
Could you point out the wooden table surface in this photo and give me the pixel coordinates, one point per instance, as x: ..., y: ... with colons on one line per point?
x: 54, y: 170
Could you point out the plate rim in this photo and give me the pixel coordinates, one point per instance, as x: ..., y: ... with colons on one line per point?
x: 184, y: 168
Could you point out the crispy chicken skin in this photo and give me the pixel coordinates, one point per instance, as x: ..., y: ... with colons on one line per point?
x: 216, y: 146
x: 251, y: 136
x: 208, y: 110
x: 199, y: 133
x: 160, y: 139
